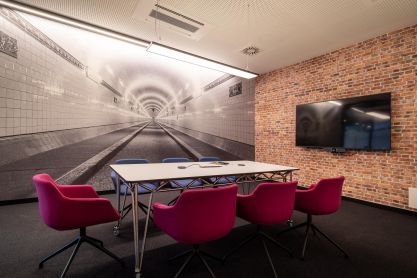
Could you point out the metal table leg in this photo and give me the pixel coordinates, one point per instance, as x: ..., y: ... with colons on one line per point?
x: 145, y: 232
x: 116, y: 228
x: 135, y: 213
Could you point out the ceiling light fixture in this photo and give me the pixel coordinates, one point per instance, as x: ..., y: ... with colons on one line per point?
x: 25, y: 8
x: 151, y: 46
x: 197, y: 60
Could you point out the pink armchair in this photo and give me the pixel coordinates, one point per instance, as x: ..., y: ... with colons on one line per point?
x: 68, y: 207
x: 198, y: 216
x: 269, y: 204
x: 319, y: 199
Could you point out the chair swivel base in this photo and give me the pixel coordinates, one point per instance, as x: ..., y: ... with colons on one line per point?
x: 77, y: 242
x: 264, y: 237
x: 314, y: 229
x: 193, y: 253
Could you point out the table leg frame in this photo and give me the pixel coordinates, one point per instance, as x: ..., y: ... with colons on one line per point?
x: 276, y: 176
x: 135, y: 212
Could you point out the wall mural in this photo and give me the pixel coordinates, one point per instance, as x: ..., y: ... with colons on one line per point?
x: 8, y: 45
x: 66, y: 95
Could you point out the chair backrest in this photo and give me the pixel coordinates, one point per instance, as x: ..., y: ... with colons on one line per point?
x: 273, y: 202
x: 209, y: 158
x: 49, y: 200
x: 205, y: 214
x: 126, y: 161
x: 176, y: 160
x: 132, y: 161
x: 326, y: 196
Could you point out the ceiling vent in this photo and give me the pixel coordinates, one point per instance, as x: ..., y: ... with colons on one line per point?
x: 250, y: 50
x: 170, y: 19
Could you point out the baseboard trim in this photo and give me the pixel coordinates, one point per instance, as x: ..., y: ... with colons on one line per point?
x: 380, y: 206
x: 371, y: 204
x: 18, y: 201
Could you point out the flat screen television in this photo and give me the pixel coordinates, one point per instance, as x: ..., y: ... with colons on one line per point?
x: 359, y: 123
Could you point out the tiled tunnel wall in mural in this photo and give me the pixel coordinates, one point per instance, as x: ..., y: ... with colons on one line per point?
x: 66, y: 95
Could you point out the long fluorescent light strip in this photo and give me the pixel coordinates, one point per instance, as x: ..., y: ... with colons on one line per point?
x: 151, y: 47
x: 73, y: 22
x: 196, y: 60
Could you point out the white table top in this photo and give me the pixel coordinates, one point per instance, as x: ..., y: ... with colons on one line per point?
x: 169, y: 171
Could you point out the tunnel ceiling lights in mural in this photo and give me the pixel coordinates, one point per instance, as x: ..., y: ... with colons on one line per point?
x: 140, y: 76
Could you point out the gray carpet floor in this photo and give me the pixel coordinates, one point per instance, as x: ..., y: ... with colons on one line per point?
x: 380, y: 243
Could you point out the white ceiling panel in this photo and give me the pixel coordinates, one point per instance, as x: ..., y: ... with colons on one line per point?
x: 287, y: 31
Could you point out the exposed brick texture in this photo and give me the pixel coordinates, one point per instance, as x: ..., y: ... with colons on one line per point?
x: 387, y: 63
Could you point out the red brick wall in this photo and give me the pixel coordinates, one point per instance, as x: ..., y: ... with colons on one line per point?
x: 387, y: 63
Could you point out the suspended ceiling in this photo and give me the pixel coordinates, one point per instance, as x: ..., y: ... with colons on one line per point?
x: 286, y: 31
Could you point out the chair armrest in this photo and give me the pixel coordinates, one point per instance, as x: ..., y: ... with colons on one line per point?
x: 244, y: 198
x: 245, y: 204
x: 304, y: 198
x: 162, y: 215
x: 89, y: 211
x: 160, y: 206
x: 243, y: 195
x: 305, y: 191
x: 78, y: 191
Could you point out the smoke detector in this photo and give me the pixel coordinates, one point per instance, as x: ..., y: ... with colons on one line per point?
x: 250, y: 50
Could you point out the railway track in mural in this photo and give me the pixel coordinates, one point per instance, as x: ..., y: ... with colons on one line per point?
x: 152, y: 141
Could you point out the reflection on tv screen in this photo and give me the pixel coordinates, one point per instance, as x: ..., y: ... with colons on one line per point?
x: 354, y: 123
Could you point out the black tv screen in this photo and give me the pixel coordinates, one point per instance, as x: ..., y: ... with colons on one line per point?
x: 362, y: 123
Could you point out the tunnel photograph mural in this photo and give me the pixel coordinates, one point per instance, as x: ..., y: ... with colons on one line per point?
x: 72, y: 102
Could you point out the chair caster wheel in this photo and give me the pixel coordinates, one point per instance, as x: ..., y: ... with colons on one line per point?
x: 116, y: 231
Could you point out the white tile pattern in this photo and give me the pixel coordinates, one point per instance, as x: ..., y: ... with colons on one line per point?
x: 40, y: 91
x: 216, y: 113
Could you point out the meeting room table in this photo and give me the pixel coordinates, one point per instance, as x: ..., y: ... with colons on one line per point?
x: 205, y: 174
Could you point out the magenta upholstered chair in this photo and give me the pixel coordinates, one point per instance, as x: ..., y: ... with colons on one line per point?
x: 68, y: 207
x: 269, y: 203
x: 319, y: 199
x: 198, y: 216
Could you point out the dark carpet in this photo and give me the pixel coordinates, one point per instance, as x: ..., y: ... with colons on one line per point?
x: 380, y: 243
